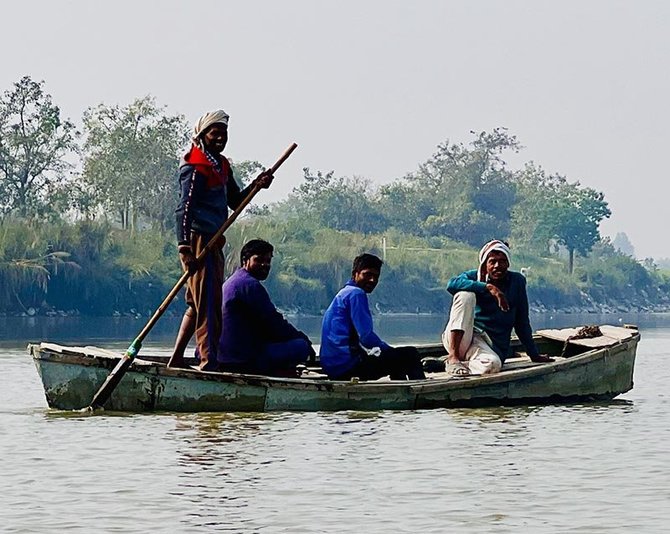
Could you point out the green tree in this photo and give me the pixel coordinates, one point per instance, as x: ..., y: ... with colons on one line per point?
x: 551, y: 208
x: 244, y: 172
x: 336, y: 202
x: 131, y: 158
x: 462, y: 192
x: 577, y: 216
x: 623, y: 244
x: 532, y: 220
x: 406, y: 206
x: 34, y: 146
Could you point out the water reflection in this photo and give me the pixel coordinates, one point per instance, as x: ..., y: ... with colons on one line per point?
x: 222, y: 459
x: 206, y: 437
x: 585, y: 467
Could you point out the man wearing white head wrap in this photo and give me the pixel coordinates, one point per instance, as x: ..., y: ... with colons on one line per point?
x: 488, y: 303
x: 492, y: 246
x: 207, y: 189
x: 208, y: 119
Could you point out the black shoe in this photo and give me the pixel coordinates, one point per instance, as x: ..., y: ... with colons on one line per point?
x: 433, y: 365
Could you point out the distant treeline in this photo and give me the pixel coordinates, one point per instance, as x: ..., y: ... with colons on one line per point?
x: 86, y: 220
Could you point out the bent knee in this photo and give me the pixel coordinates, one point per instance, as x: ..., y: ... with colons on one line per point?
x: 465, y: 298
x: 489, y: 365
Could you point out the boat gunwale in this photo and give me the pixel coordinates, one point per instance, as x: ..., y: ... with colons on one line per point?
x: 64, y: 354
x: 513, y: 375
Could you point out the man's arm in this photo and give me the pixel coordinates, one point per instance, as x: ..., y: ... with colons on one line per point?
x: 467, y: 281
x: 190, y: 188
x: 267, y: 316
x: 191, y: 185
x: 522, y: 326
x: 235, y: 195
x: 362, y: 320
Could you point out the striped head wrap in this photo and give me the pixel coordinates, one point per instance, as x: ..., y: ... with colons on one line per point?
x: 497, y: 246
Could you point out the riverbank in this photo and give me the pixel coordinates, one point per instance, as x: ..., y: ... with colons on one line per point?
x: 603, y: 309
x: 590, y: 309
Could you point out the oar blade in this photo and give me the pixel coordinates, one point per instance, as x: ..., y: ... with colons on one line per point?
x: 105, y: 391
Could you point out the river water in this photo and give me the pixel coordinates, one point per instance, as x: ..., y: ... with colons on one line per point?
x: 584, y: 468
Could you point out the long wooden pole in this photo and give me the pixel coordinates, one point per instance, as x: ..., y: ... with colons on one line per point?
x: 120, y: 369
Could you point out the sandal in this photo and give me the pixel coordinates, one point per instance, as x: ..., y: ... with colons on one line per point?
x: 457, y: 369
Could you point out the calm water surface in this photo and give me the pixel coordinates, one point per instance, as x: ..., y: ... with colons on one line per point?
x: 582, y: 468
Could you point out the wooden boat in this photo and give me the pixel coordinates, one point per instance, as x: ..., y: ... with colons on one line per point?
x: 584, y: 369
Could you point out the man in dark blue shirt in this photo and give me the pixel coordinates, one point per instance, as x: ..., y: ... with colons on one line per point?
x: 488, y: 303
x: 349, y: 346
x: 255, y: 337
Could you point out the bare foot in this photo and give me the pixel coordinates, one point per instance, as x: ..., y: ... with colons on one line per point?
x: 177, y: 362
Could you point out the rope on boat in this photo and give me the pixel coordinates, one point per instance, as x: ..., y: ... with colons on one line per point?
x: 583, y: 333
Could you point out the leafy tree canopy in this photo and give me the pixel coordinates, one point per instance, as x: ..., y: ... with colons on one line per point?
x: 131, y: 154
x: 553, y: 209
x: 462, y: 192
x: 34, y: 145
x: 336, y: 202
x: 623, y: 244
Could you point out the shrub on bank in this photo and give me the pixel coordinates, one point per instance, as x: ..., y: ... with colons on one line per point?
x: 96, y: 269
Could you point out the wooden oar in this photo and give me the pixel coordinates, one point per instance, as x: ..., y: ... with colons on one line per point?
x: 120, y: 369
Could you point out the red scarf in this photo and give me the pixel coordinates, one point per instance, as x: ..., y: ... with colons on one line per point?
x: 216, y: 176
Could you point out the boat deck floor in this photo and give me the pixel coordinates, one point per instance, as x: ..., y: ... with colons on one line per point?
x: 553, y: 342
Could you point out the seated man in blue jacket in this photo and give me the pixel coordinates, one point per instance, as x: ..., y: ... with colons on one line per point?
x: 255, y: 337
x: 488, y: 303
x: 349, y: 346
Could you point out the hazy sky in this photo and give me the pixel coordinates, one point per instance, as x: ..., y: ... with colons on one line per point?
x: 369, y: 88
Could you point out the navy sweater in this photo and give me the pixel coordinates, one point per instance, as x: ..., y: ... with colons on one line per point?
x: 206, y: 191
x: 250, y: 320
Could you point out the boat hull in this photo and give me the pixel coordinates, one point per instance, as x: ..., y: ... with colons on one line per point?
x: 71, y: 376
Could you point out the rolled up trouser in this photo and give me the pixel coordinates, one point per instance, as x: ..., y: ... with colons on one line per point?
x: 204, y: 296
x: 474, y: 348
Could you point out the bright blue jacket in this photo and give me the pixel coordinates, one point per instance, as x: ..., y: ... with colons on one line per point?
x: 491, y: 319
x: 347, y: 325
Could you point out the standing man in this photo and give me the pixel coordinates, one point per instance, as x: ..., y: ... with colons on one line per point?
x: 255, y: 337
x: 207, y: 189
x: 349, y: 346
x: 488, y: 303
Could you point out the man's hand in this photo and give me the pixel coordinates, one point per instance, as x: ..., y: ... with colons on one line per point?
x: 264, y: 179
x: 220, y: 242
x: 188, y: 261
x: 499, y: 296
x: 541, y: 358
x: 311, y: 354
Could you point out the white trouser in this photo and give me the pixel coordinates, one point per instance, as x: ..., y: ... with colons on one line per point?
x: 474, y: 349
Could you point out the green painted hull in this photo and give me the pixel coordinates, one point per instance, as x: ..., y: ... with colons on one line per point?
x: 72, y: 375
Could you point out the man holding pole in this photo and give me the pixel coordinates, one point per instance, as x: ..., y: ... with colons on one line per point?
x: 207, y: 189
